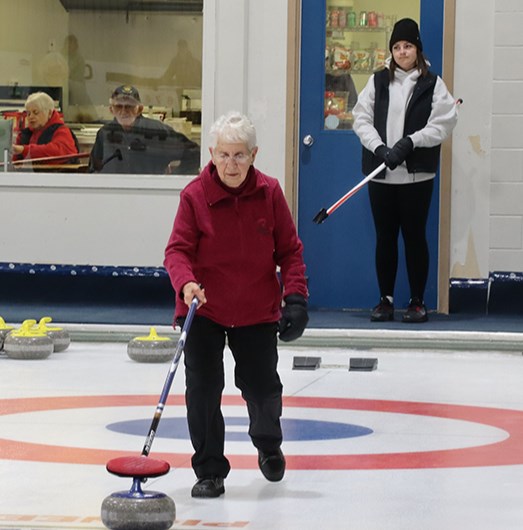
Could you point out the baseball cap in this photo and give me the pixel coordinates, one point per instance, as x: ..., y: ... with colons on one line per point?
x: 126, y: 93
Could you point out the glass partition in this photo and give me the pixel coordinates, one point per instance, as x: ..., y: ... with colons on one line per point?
x: 356, y: 44
x: 80, y: 51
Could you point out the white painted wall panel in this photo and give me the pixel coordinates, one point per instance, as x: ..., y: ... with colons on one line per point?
x: 508, y: 97
x: 506, y: 260
x: 508, y: 63
x: 507, y: 131
x: 113, y: 220
x: 506, y: 232
x: 507, y: 165
x: 472, y: 139
x: 506, y: 198
x: 487, y: 185
x: 245, y: 65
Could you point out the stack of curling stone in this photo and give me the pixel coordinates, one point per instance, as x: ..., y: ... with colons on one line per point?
x: 4, y: 330
x: 28, y: 342
x: 59, y: 336
x: 151, y: 349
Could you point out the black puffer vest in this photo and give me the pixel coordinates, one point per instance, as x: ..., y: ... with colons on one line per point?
x: 422, y: 159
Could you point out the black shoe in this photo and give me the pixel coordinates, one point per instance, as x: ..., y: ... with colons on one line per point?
x: 208, y: 487
x: 416, y: 311
x: 383, y: 312
x: 272, y: 465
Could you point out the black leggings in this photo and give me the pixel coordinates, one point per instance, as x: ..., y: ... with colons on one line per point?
x: 254, y: 349
x: 402, y: 207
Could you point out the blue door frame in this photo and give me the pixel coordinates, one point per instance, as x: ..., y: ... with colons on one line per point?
x: 339, y: 253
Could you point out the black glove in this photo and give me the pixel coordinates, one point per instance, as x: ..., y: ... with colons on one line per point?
x: 294, y: 317
x: 382, y: 152
x: 401, y: 150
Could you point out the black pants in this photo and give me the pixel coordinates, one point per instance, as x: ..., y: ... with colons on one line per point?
x: 254, y: 349
x: 402, y: 207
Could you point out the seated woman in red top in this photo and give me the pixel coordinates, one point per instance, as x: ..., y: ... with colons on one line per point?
x: 46, y: 134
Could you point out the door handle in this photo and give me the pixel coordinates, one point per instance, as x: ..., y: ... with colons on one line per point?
x: 308, y: 140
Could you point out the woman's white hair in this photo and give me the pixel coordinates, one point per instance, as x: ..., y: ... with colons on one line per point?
x: 233, y: 128
x: 44, y: 102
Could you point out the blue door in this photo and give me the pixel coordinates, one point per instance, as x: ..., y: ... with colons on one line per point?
x: 339, y: 253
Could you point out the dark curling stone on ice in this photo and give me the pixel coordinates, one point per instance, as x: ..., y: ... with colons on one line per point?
x: 28, y: 342
x: 144, y: 510
x: 59, y: 336
x: 137, y: 509
x: 151, y: 349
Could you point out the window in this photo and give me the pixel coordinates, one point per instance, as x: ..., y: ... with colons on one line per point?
x: 357, y: 44
x: 79, y: 51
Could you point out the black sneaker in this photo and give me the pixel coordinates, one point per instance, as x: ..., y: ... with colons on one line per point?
x: 383, y: 312
x: 416, y: 311
x: 272, y: 465
x: 208, y: 487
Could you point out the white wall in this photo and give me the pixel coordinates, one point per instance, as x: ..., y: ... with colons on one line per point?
x: 245, y: 68
x: 87, y: 219
x: 487, y: 168
x: 506, y: 188
x: 472, y: 139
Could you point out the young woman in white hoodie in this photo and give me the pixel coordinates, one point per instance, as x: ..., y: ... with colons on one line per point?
x: 402, y: 116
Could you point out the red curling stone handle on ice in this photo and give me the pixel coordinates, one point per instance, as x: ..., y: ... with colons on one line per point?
x: 137, y: 467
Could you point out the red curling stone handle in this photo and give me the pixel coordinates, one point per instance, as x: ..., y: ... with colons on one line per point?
x: 137, y: 467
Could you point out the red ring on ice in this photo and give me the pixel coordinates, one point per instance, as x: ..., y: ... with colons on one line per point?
x: 505, y: 452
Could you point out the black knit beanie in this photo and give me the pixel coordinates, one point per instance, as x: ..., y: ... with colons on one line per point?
x: 406, y: 29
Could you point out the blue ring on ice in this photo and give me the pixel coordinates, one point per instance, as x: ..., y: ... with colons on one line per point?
x: 294, y: 430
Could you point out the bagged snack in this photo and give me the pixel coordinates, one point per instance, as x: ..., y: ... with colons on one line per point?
x: 362, y: 61
x: 379, y: 58
x: 341, y: 58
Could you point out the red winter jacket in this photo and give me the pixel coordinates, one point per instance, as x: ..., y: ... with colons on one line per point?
x: 231, y: 244
x: 62, y: 142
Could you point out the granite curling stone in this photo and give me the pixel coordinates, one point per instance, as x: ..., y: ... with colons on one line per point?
x: 4, y: 331
x: 28, y: 343
x: 138, y: 510
x: 59, y: 336
x: 151, y: 349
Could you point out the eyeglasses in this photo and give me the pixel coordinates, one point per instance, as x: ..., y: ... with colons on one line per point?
x: 239, y: 158
x: 119, y: 107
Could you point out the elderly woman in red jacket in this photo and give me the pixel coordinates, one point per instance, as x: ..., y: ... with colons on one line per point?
x: 46, y: 134
x: 233, y: 228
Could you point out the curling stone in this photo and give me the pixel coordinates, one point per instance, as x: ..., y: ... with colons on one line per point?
x: 4, y: 330
x: 28, y: 343
x: 138, y: 510
x: 151, y: 349
x: 59, y: 336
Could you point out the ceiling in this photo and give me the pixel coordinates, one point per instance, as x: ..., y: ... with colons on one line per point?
x: 134, y: 5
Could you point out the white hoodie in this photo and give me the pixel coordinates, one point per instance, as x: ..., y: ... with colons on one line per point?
x: 440, y: 124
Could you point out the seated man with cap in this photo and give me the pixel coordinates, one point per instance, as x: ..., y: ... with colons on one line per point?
x: 134, y: 144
